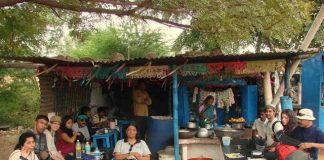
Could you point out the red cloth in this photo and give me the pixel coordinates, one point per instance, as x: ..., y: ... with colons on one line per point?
x: 63, y: 146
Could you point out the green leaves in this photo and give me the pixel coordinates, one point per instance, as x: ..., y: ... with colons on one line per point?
x: 130, y: 41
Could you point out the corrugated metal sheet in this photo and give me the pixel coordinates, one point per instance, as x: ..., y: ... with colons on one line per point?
x: 70, y: 97
x: 179, y: 59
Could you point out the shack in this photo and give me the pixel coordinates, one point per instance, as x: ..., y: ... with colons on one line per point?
x: 177, y: 86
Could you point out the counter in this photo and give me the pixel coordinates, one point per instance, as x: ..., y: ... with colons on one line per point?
x: 201, y: 148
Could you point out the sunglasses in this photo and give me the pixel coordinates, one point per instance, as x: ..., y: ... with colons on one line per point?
x: 131, y: 148
x: 82, y: 120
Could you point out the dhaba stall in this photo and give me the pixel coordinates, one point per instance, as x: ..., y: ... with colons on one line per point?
x: 177, y: 86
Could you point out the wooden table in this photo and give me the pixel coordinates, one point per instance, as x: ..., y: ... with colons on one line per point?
x: 201, y: 147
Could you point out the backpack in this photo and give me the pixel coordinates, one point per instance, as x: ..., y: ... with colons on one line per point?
x: 288, y: 152
x: 273, y: 125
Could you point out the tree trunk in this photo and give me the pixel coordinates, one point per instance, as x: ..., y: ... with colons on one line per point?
x: 267, y: 88
x: 308, y: 39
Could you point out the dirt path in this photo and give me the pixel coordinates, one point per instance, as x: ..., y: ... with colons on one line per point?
x: 8, y: 140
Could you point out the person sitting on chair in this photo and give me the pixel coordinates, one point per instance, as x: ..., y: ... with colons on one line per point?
x: 131, y: 147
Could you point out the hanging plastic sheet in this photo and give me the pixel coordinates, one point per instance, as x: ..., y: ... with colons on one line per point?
x: 183, y: 108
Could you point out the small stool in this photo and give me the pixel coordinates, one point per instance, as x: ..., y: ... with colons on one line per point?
x: 104, y: 137
x: 109, y: 139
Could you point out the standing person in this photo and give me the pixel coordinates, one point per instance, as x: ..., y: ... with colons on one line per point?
x: 130, y: 147
x: 271, y: 129
x: 41, y: 149
x: 312, y: 137
x: 259, y: 125
x: 141, y: 101
x: 289, y: 121
x: 24, y: 149
x: 65, y: 139
x: 207, y: 110
x: 53, y: 126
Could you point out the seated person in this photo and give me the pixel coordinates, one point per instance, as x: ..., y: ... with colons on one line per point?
x: 65, y: 139
x: 25, y: 147
x: 312, y: 137
x: 100, y: 119
x: 259, y: 126
x: 81, y: 127
x: 50, y: 132
x: 87, y: 111
x: 131, y: 147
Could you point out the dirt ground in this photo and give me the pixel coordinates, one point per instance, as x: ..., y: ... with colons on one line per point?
x: 8, y: 140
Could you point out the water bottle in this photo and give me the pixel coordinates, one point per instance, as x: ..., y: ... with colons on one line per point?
x: 97, y: 154
x: 78, y: 150
x: 87, y: 148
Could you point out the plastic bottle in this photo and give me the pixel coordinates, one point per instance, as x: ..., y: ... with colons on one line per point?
x: 87, y: 148
x: 97, y: 154
x: 78, y: 150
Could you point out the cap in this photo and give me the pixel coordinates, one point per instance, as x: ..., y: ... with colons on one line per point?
x: 306, y: 114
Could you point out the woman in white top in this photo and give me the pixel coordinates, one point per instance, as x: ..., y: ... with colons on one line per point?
x: 54, y: 125
x: 131, y: 147
x: 24, y: 149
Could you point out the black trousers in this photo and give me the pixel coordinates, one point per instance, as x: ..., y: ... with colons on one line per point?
x: 141, y: 124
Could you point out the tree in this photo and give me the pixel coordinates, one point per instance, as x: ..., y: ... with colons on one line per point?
x: 297, y: 19
x: 228, y: 21
x: 128, y: 41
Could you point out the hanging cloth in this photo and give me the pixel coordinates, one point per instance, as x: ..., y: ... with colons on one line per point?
x: 183, y: 108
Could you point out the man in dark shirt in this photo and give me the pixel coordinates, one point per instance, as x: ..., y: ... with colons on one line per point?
x: 41, y: 149
x: 312, y: 137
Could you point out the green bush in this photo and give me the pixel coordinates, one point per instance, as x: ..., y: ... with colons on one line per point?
x: 19, y: 97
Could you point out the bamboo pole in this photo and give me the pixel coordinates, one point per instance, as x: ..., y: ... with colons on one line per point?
x: 305, y: 44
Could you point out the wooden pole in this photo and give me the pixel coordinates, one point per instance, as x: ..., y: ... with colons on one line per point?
x: 305, y: 44
x: 21, y: 65
x: 267, y: 88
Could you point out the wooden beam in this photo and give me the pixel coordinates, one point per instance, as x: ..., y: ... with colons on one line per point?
x: 21, y: 65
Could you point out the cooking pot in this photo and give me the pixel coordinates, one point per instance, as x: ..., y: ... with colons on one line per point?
x: 185, y: 133
x: 191, y: 125
x: 202, y: 133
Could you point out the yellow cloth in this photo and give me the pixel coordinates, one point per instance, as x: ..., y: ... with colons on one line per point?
x: 141, y: 101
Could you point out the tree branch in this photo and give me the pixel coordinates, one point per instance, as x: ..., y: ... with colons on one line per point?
x: 165, y: 22
x: 145, y: 4
x: 7, y: 3
x: 114, y: 2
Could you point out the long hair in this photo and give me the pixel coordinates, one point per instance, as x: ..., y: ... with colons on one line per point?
x: 63, y: 128
x: 22, y: 139
x: 292, y: 123
x: 208, y: 98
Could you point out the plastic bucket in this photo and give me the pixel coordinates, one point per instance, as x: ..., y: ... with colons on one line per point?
x: 226, y: 140
x: 159, y: 133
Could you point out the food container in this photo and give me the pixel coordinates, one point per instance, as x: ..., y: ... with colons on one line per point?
x: 192, y: 125
x: 185, y: 133
x: 202, y: 133
x: 231, y: 132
